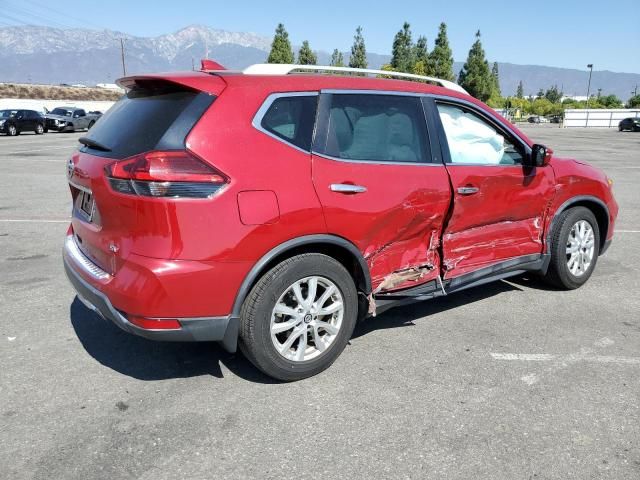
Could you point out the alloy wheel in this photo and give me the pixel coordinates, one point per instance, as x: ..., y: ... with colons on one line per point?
x: 307, y: 318
x: 580, y: 248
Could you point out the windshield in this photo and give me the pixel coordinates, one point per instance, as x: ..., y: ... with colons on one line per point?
x: 63, y: 112
x: 8, y: 113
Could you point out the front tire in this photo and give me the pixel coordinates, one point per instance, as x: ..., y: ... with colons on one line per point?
x: 575, y: 245
x: 39, y: 129
x: 299, y: 317
x: 12, y: 131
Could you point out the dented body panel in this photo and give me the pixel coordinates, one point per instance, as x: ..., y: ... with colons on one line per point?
x: 396, y: 224
x: 504, y: 219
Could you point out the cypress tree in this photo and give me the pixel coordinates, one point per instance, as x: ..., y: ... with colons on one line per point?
x: 358, y: 58
x: 441, y: 56
x: 475, y: 76
x: 422, y: 64
x: 520, y: 91
x: 496, y: 80
x: 281, y: 51
x: 402, y: 50
x: 306, y: 55
x: 337, y: 60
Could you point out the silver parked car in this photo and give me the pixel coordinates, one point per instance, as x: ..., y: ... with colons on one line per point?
x: 69, y: 119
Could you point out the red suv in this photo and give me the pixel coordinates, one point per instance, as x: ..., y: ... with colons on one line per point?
x: 273, y: 210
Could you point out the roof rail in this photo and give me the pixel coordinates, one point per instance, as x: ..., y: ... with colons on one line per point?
x: 285, y: 69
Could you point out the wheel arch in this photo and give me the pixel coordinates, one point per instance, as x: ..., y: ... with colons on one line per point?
x: 597, y: 207
x: 336, y: 247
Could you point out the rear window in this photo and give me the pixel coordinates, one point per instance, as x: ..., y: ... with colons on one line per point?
x: 152, y: 117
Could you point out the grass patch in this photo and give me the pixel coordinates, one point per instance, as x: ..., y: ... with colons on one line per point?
x: 50, y: 92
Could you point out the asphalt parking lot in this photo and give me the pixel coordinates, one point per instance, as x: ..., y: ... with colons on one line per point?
x: 505, y: 381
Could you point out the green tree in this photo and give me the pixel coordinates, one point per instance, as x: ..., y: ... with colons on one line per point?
x: 306, y: 55
x: 358, y: 58
x: 387, y: 68
x: 553, y: 94
x: 402, y: 51
x: 422, y: 65
x: 337, y: 60
x: 281, y: 51
x: 610, y: 101
x: 540, y: 93
x: 520, y: 91
x: 475, y: 76
x: 496, y: 80
x: 441, y: 56
x: 541, y: 106
x: 634, y: 102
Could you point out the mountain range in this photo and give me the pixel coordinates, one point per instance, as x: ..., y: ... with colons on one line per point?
x: 38, y: 54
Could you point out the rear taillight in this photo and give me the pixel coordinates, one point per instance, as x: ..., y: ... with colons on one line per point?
x: 165, y: 174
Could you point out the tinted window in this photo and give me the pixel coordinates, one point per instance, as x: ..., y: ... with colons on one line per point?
x: 158, y: 117
x: 80, y: 113
x: 377, y: 128
x: 473, y: 140
x: 63, y: 112
x: 292, y: 119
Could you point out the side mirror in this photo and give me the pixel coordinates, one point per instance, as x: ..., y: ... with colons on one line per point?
x: 540, y: 155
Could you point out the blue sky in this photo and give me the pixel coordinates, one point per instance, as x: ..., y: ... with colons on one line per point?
x: 563, y: 33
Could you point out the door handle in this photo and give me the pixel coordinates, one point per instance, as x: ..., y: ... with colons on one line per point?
x: 468, y: 190
x: 347, y: 188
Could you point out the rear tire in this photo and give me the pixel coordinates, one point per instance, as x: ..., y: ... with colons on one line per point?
x: 288, y: 329
x: 574, y: 248
x: 91, y: 123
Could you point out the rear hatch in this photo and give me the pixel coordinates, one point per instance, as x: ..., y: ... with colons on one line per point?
x: 112, y: 174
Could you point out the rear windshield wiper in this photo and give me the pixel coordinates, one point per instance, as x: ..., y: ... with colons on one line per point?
x: 86, y: 141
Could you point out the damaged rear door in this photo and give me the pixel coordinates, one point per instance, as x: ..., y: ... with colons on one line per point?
x: 499, y: 203
x: 381, y: 184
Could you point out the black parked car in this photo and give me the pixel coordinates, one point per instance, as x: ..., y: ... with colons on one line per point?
x: 630, y: 123
x: 13, y: 122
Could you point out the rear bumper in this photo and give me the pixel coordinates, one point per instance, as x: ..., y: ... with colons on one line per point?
x: 222, y: 329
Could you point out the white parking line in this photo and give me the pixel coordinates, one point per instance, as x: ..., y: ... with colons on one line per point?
x: 68, y: 147
x: 627, y: 231
x: 572, y: 358
x: 32, y: 220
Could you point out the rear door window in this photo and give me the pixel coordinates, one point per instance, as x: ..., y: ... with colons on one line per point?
x: 149, y: 117
x: 291, y: 117
x: 376, y: 127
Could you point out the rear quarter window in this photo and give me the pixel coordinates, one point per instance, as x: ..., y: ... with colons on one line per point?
x: 290, y: 118
x: 149, y: 118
